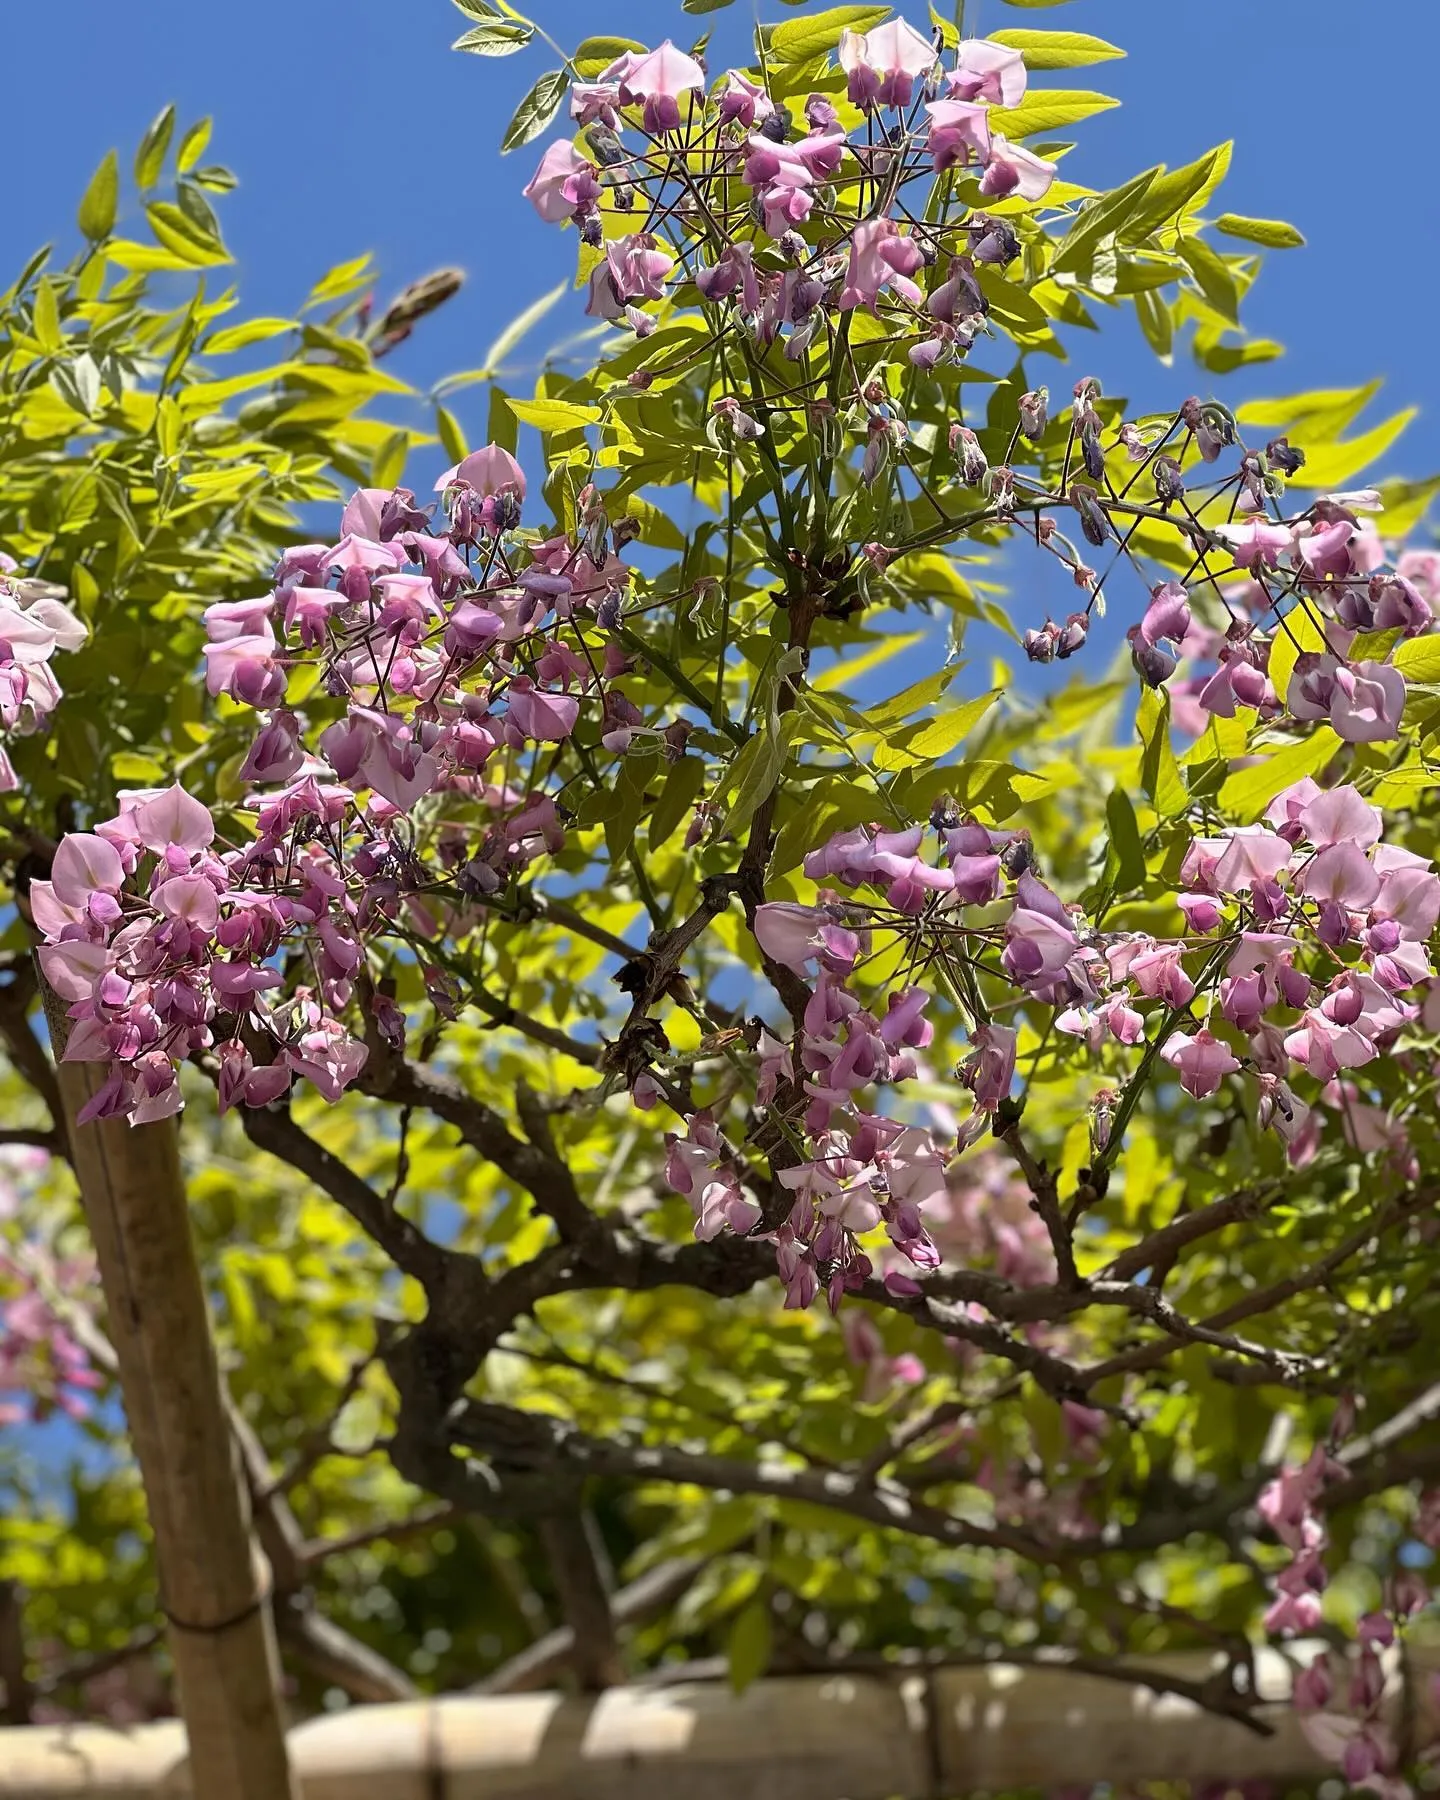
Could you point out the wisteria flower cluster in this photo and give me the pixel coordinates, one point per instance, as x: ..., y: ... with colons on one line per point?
x: 726, y: 153
x: 461, y: 658
x: 34, y: 624
x: 1305, y: 935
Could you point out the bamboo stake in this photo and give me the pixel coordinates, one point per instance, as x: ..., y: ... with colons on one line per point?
x: 213, y: 1583
x: 801, y: 1738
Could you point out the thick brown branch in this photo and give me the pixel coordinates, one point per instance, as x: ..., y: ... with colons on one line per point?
x: 574, y: 1553
x: 274, y: 1129
x: 1160, y: 1249
x: 529, y: 1454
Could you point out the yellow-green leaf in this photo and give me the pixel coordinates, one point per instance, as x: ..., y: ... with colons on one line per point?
x: 1245, y: 794
x: 96, y: 217
x: 1048, y: 109
x: 554, y: 415
x: 797, y: 40
x: 1274, y: 234
x: 1418, y: 659
x: 935, y: 739
x: 46, y: 320
x: 536, y: 110
x: 1055, y: 49
x: 1298, y: 634
x: 1159, y: 772
x: 1332, y: 465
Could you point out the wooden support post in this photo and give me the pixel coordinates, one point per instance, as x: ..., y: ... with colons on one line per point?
x: 213, y: 1583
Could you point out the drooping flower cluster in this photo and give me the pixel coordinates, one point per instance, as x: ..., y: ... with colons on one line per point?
x: 1341, y: 1703
x: 34, y: 624
x: 793, y: 226
x: 1305, y: 935
x: 43, y: 1366
x: 459, y: 656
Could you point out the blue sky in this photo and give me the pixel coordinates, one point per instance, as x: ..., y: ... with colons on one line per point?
x: 352, y: 126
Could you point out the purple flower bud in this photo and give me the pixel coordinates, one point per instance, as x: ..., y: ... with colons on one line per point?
x: 1154, y: 663
x: 1169, y: 479
x: 993, y: 240
x: 1034, y: 413
x: 1040, y: 646
x: 1072, y: 635
x: 966, y: 446
x: 1094, y: 521
x: 1281, y: 454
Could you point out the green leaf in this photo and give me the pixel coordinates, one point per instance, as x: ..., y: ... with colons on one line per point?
x: 193, y: 146
x: 179, y: 233
x: 1173, y: 190
x: 1418, y: 659
x: 1035, y: 5
x: 150, y: 157
x: 1212, y: 277
x: 240, y: 337
x: 478, y: 9
x: 1332, y: 465
x: 343, y: 279
x: 96, y: 217
x: 536, y: 110
x: 496, y: 37
x: 128, y: 766
x: 797, y: 40
x: 597, y: 53
x: 1274, y: 234
x: 749, y: 1647
x: 680, y: 792
x: 388, y: 462
x: 1153, y: 312
x: 704, y: 6
x: 169, y: 426
x: 860, y: 662
x: 452, y: 438
x: 927, y: 743
x: 1100, y: 220
x: 521, y: 325
x: 217, y: 178
x: 198, y: 210
x: 1056, y: 49
x: 1125, y: 861
x: 554, y: 415
x: 1245, y: 794
x: 1049, y: 109
x: 1159, y: 772
x: 45, y: 319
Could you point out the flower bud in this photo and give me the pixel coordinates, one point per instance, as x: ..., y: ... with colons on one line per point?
x: 1034, y: 413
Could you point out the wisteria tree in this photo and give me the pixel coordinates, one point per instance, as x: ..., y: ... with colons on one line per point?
x: 934, y: 1174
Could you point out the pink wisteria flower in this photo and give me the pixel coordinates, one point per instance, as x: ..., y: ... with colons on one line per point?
x: 664, y: 84
x: 1012, y: 169
x: 885, y: 64
x: 989, y: 72
x: 565, y: 184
